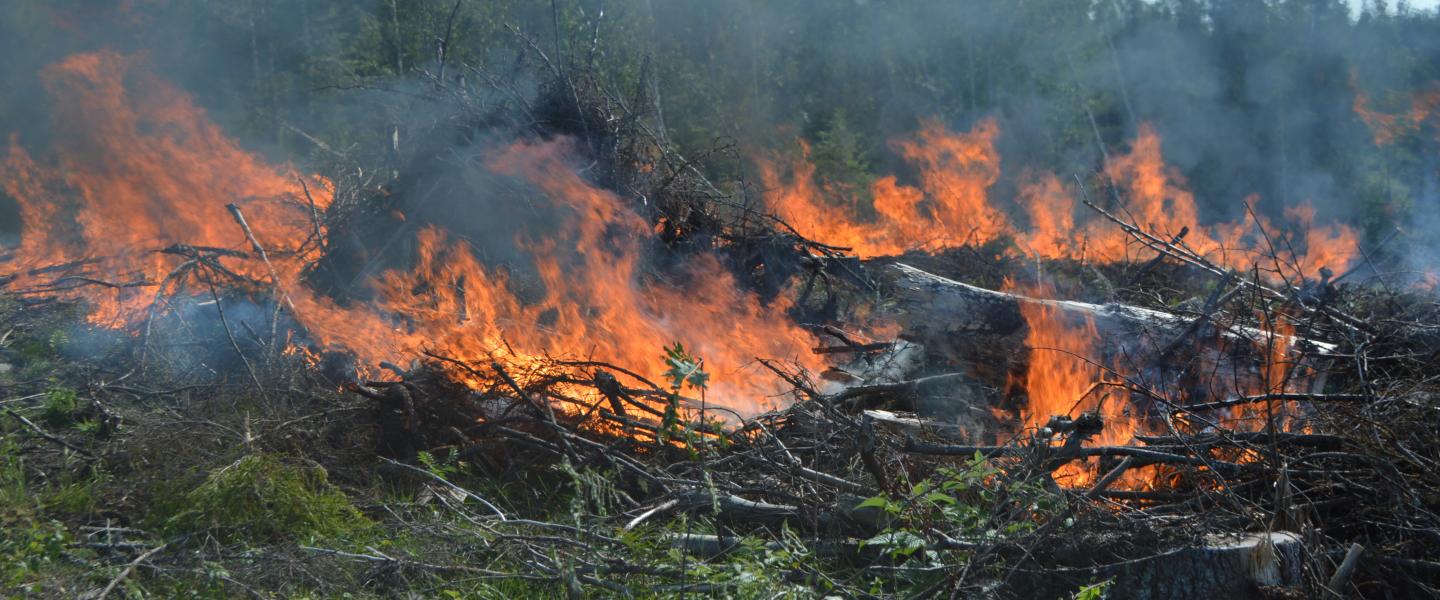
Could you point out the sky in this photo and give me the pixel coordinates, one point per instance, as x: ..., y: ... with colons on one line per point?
x: 1414, y: 4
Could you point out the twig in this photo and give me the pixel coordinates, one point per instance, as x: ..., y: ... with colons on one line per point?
x: 662, y: 507
x: 514, y: 386
x: 130, y: 568
x: 444, y: 482
x: 45, y: 434
x: 445, y: 42
x: 260, y: 250
x: 1142, y: 456
x: 1341, y: 578
x: 1219, y: 404
x: 1193, y: 259
x: 210, y: 281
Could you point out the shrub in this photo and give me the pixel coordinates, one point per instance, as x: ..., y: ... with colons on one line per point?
x: 60, y: 406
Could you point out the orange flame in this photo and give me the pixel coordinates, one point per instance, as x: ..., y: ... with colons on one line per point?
x: 1063, y: 378
x: 598, y: 304
x: 952, y: 209
x: 1388, y: 128
x: 1278, y: 373
x: 138, y: 167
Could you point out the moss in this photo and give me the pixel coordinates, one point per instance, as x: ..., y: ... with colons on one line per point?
x: 264, y: 498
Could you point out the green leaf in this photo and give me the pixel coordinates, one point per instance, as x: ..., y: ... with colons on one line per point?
x: 874, y: 502
x: 899, y: 543
x: 684, y: 368
x: 941, y: 498
x: 1094, y: 591
x: 672, y: 414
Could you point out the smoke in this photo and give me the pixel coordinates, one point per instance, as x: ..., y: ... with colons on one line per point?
x: 1248, y: 97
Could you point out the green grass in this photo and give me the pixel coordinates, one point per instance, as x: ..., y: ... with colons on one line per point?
x: 265, y: 498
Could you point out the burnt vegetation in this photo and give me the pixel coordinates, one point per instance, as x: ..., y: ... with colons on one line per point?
x: 554, y: 306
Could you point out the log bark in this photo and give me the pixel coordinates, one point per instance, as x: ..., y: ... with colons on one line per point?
x: 934, y: 307
x: 938, y: 312
x: 1240, y: 566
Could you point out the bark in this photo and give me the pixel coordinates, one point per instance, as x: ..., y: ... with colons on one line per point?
x: 939, y: 313
x: 1221, y: 567
x: 1243, y: 566
x: 933, y: 307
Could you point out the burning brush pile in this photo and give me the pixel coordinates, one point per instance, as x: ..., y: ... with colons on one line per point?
x: 1126, y: 394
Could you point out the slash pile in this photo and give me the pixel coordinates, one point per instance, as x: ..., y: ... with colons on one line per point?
x: 974, y: 441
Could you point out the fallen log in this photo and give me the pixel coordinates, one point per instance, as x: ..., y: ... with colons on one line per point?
x: 1219, y: 404
x: 1141, y: 455
x: 986, y: 331
x: 934, y: 310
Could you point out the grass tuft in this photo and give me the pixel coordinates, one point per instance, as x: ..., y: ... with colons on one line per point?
x: 263, y: 498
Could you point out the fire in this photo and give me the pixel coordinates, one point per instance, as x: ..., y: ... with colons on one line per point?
x: 137, y: 167
x: 598, y: 303
x: 1064, y: 378
x: 952, y: 208
x: 1278, y: 373
x: 1388, y: 128
x: 1052, y: 218
x: 949, y: 210
x: 956, y: 172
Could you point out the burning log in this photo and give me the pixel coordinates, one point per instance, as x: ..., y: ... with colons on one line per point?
x: 935, y: 309
x: 946, y: 314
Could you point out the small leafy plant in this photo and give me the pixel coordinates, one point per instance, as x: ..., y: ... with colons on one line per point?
x: 60, y: 405
x: 961, y: 503
x: 682, y: 368
x: 442, y: 468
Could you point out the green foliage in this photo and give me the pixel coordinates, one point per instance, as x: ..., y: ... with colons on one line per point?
x: 1094, y: 591
x: 32, y: 545
x: 30, y: 548
x: 14, y: 492
x: 76, y: 490
x: 70, y: 489
x: 684, y: 368
x: 442, y: 468
x: 90, y: 427
x: 263, y: 498
x: 962, y: 503
x: 754, y: 568
x: 838, y: 156
x: 59, y: 406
